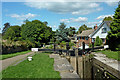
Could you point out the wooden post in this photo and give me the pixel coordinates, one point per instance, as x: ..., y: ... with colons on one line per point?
x: 76, y: 54
x: 92, y: 46
x: 83, y: 44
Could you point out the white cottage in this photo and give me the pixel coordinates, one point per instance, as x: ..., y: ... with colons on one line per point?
x: 88, y: 36
x: 101, y: 31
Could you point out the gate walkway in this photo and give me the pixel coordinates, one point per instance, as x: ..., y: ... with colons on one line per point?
x: 7, y: 62
x: 64, y: 67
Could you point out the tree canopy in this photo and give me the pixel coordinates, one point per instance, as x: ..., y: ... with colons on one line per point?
x: 108, y: 18
x: 36, y: 32
x: 62, y: 33
x: 6, y: 26
x: 113, y: 37
x: 82, y: 28
x: 13, y: 33
x: 71, y: 31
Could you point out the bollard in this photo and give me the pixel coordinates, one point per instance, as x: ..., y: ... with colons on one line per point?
x: 29, y: 58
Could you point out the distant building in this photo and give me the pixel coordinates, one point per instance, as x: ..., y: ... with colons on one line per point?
x: 88, y: 36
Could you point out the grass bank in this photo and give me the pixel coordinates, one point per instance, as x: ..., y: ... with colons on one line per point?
x: 111, y: 54
x: 5, y: 56
x: 40, y: 67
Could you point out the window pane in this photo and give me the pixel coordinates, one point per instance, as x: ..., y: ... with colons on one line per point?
x: 104, y: 30
x: 86, y: 38
x: 82, y: 38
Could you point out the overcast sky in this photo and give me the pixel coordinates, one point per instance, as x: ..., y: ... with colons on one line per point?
x: 72, y: 14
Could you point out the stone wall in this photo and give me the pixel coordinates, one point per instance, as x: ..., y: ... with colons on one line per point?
x: 91, y: 68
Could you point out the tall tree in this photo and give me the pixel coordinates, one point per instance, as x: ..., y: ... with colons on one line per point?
x: 71, y: 31
x: 26, y: 21
x: 113, y: 37
x: 36, y: 32
x: 45, y: 22
x: 82, y: 28
x: 6, y: 26
x: 13, y: 33
x: 62, y: 33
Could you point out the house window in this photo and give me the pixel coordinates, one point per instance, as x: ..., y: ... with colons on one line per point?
x: 78, y: 38
x: 82, y: 38
x: 86, y: 38
x: 93, y: 39
x: 104, y: 30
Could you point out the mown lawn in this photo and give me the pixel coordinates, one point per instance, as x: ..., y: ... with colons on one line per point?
x: 5, y: 56
x: 111, y: 54
x: 40, y: 67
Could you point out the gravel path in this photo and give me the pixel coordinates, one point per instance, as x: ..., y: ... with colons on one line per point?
x: 64, y: 67
x: 7, y: 62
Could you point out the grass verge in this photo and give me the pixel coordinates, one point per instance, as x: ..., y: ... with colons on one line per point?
x: 40, y: 67
x: 111, y: 54
x: 5, y: 56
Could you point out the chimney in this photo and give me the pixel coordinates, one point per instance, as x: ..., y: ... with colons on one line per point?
x: 95, y: 27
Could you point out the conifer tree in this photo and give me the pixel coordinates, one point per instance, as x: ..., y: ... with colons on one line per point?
x: 113, y: 38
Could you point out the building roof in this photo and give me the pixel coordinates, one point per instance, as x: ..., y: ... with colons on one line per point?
x: 108, y: 23
x: 104, y: 22
x: 86, y: 32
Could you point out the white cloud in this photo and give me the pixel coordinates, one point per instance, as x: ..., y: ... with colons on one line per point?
x: 23, y: 16
x: 65, y: 20
x: 103, y: 16
x: 80, y: 8
x: 54, y: 26
x: 92, y: 24
x: 112, y: 2
x: 79, y: 19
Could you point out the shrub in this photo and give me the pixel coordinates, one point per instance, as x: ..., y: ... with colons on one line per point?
x: 51, y: 47
x: 98, y: 41
x: 62, y: 44
x: 71, y: 44
x: 90, y: 45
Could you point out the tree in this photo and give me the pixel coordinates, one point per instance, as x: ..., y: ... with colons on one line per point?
x: 45, y: 22
x: 113, y: 37
x: 62, y: 33
x: 36, y: 32
x: 26, y: 21
x: 108, y: 18
x: 6, y: 26
x: 13, y: 33
x: 71, y: 31
x: 98, y: 41
x: 82, y: 28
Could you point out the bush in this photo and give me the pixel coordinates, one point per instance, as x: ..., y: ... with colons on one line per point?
x: 51, y: 47
x: 71, y: 44
x: 98, y: 41
x: 90, y: 45
x: 62, y: 44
